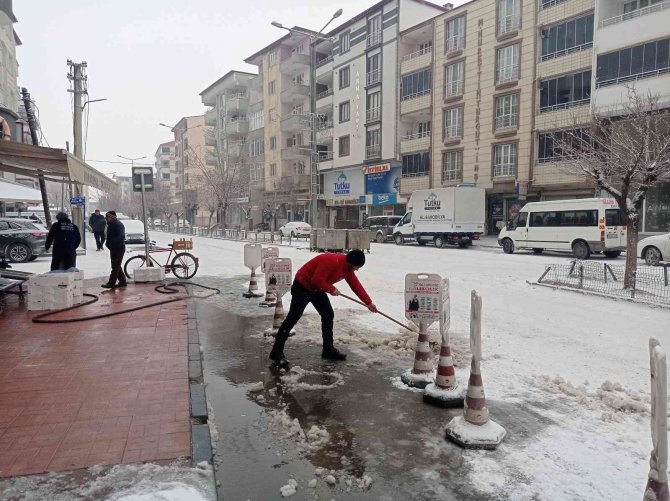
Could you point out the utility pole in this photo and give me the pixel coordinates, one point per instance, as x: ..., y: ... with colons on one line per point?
x: 32, y: 124
x: 78, y: 78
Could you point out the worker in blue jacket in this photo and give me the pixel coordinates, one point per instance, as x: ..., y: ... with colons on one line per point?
x: 65, y: 237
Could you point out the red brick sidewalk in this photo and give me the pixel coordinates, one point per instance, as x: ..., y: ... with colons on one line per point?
x: 107, y: 391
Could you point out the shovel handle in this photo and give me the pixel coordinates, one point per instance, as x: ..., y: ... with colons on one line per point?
x: 381, y: 313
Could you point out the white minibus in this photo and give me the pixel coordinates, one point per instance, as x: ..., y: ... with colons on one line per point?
x: 582, y: 226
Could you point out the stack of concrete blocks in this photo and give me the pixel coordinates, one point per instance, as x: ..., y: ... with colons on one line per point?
x: 51, y: 291
x: 149, y: 274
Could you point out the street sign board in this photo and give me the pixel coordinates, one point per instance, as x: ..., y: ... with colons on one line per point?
x: 252, y: 255
x: 143, y: 175
x: 267, y: 254
x: 278, y: 276
x: 78, y: 201
x: 423, y: 297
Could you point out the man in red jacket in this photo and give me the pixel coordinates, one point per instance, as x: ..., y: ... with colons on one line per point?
x: 312, y: 284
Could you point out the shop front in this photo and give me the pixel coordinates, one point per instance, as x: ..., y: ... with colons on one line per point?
x: 342, y: 191
x: 382, y: 185
x: 656, y: 217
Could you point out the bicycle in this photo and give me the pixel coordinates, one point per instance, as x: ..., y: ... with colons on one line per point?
x: 184, y: 265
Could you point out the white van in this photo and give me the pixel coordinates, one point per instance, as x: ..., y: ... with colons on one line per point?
x: 582, y: 226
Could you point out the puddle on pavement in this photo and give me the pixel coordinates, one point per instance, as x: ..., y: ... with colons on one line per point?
x: 357, y: 426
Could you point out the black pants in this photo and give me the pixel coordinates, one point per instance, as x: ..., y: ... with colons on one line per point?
x: 63, y: 260
x: 99, y: 239
x: 116, y: 256
x: 300, y: 298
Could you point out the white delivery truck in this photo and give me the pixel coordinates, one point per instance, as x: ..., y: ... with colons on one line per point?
x: 453, y: 215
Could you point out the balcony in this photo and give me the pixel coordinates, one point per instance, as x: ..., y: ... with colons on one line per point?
x: 237, y: 102
x: 300, y: 181
x: 237, y: 127
x: 237, y: 150
x: 373, y: 77
x: 373, y: 114
x: 210, y: 138
x: 373, y: 152
x: 415, y: 142
x: 321, y: 96
x: 651, y: 9
x: 295, y: 152
x: 324, y: 132
x: 295, y: 94
x: 631, y: 28
x: 324, y: 61
x: 374, y: 38
x: 295, y: 63
x: 295, y: 123
x: 413, y: 103
x: 416, y: 60
x: 210, y: 117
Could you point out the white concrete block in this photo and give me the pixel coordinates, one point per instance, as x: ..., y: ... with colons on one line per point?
x: 153, y: 274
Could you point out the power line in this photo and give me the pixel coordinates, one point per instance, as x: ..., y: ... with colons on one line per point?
x: 122, y: 163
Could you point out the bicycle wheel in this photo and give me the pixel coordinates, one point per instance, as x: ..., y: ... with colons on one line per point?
x: 132, y: 264
x: 184, y: 265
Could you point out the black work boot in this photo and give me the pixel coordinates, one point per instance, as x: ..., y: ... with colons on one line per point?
x: 332, y: 353
x: 277, y: 353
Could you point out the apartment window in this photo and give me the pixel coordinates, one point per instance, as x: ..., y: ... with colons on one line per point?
x: 507, y: 111
x: 453, y: 79
x: 344, y: 77
x: 271, y: 87
x: 300, y: 168
x: 504, y: 160
x: 256, y: 120
x: 165, y: 150
x: 272, y: 58
x: 565, y: 91
x: 455, y: 34
x: 273, y: 143
x: 345, y: 43
x: 373, y: 144
x: 638, y: 4
x: 423, y: 129
x: 374, y: 30
x: 273, y: 115
x: 507, y: 64
x: 425, y: 47
x: 549, y: 143
x: 374, y: 106
x: 344, y: 145
x: 298, y: 110
x: 273, y: 170
x: 509, y: 16
x: 550, y: 3
x: 452, y: 166
x: 642, y: 61
x: 453, y: 123
x: 567, y: 37
x: 416, y: 84
x: 416, y: 164
x: 374, y: 69
x: 345, y: 111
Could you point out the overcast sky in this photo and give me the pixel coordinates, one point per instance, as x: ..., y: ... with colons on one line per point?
x: 149, y: 58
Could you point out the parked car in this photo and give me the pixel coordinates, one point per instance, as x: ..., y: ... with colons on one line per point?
x: 134, y: 231
x: 381, y: 227
x: 654, y: 249
x: 21, y: 240
x: 295, y: 229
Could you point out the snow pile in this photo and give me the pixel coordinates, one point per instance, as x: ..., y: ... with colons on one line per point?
x: 330, y: 480
x: 609, y: 397
x: 397, y: 383
x: 292, y: 380
x: 168, y: 492
x: 364, y: 482
x: 289, y: 489
x: 282, y: 424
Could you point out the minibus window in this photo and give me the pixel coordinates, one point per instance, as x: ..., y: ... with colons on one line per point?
x: 613, y: 217
x: 521, y: 220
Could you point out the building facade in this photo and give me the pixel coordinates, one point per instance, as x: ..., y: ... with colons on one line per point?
x: 189, y: 164
x: 9, y: 65
x: 357, y: 88
x: 164, y: 160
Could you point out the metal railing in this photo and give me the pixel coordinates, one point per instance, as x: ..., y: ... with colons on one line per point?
x: 234, y: 234
x: 325, y: 125
x: 545, y: 4
x: 453, y: 132
x: 565, y: 106
x: 565, y: 52
x: 325, y: 156
x: 416, y: 135
x: 634, y: 14
x: 454, y: 88
x: 373, y: 151
x: 450, y: 175
x: 373, y: 77
x: 405, y: 175
x: 630, y: 78
x: 416, y: 95
x: 374, y: 38
x: 323, y: 61
x: 418, y: 53
x: 324, y: 93
x: 373, y: 114
x: 455, y: 43
x: 507, y: 74
x: 507, y: 121
x: 504, y: 170
x: 508, y: 23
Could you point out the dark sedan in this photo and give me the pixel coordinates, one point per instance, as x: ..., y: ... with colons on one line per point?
x: 21, y: 240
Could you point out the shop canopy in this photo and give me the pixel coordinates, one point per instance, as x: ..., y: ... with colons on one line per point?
x: 54, y: 164
x: 13, y: 192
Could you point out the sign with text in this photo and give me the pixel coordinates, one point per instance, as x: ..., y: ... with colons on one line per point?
x: 252, y: 255
x: 383, y: 181
x: 267, y: 254
x: 143, y: 176
x: 423, y: 297
x: 278, y: 276
x: 348, y: 184
x: 78, y: 201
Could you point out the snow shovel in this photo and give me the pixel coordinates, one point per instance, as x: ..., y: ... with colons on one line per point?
x: 382, y: 314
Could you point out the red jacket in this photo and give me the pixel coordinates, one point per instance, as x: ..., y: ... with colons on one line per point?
x: 321, y: 272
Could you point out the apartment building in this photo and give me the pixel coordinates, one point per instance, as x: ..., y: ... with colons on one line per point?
x: 189, y: 151
x: 280, y: 106
x: 164, y: 163
x: 230, y: 145
x: 9, y: 66
x: 357, y: 86
x: 632, y: 50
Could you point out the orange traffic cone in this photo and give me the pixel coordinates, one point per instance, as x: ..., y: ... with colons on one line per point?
x: 445, y: 391
x: 422, y: 373
x: 278, y: 318
x: 253, y: 286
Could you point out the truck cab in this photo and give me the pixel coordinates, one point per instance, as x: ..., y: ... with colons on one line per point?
x: 404, y: 230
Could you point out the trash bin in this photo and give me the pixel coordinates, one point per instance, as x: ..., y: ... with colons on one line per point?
x: 358, y: 239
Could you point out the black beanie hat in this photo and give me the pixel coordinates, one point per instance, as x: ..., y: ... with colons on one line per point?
x: 356, y: 258
x: 111, y: 213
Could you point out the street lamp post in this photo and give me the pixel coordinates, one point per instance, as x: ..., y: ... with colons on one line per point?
x: 313, y: 117
x: 144, y: 211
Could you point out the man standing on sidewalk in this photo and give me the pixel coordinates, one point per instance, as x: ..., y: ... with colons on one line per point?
x: 116, y: 243
x: 98, y: 224
x: 65, y: 237
x: 311, y: 285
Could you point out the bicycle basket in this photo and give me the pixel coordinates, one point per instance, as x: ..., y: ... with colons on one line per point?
x: 182, y: 244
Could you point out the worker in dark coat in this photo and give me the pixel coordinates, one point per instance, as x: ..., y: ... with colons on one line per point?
x: 116, y: 243
x: 98, y: 226
x: 312, y: 284
x: 65, y: 237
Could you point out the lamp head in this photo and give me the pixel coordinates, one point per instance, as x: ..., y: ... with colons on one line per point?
x: 277, y: 24
x: 337, y: 14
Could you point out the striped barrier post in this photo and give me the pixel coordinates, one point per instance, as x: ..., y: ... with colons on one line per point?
x: 657, y: 483
x: 253, y: 286
x: 474, y: 429
x: 421, y: 373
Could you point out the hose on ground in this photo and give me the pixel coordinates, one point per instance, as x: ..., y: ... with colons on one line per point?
x: 43, y: 318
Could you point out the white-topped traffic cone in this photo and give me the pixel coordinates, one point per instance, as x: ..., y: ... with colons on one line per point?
x: 474, y: 429
x: 253, y: 286
x: 269, y: 301
x: 422, y: 373
x: 445, y: 391
x: 278, y: 319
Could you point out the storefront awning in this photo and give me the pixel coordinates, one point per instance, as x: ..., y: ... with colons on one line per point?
x: 53, y: 163
x: 12, y: 192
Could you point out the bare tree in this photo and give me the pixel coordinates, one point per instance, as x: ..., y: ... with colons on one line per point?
x: 624, y: 154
